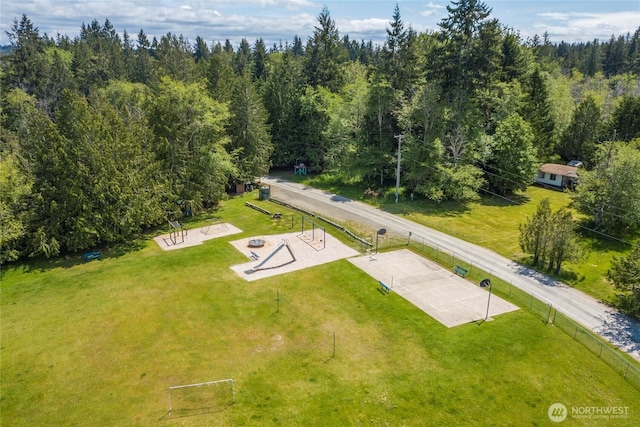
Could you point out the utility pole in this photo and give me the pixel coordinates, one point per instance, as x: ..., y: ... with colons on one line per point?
x: 399, y: 137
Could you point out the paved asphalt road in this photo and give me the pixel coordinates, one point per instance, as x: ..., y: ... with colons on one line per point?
x: 619, y: 329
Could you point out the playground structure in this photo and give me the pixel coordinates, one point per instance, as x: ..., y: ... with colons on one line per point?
x: 176, y: 230
x: 179, y: 237
x: 310, y: 236
x: 266, y: 262
x: 256, y: 243
x: 283, y: 244
x: 214, y: 228
x: 300, y: 169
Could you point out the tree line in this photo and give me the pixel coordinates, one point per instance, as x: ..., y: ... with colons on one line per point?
x: 103, y: 135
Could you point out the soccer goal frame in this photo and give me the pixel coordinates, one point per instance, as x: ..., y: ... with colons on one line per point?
x: 207, y: 383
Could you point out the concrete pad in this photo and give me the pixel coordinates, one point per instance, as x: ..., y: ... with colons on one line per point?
x: 440, y: 293
x: 272, y: 259
x: 196, y: 236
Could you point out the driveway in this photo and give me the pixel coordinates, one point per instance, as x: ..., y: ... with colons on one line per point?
x: 617, y: 328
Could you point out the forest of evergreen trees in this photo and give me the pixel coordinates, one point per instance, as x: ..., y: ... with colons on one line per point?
x: 105, y: 135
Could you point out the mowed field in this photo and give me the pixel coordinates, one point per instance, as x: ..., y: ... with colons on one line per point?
x: 98, y: 343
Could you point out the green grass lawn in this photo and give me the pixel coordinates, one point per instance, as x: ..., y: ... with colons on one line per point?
x: 98, y: 344
x: 493, y: 222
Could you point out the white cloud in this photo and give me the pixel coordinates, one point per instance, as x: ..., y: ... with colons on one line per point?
x: 362, y: 26
x: 433, y: 9
x: 581, y: 26
x: 280, y: 20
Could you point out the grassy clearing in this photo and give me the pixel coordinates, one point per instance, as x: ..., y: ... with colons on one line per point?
x: 493, y: 223
x: 98, y: 343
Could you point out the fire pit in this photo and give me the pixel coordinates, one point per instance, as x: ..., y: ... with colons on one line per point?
x: 256, y: 243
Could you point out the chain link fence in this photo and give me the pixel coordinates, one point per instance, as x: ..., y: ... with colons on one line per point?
x: 623, y: 364
x: 620, y: 363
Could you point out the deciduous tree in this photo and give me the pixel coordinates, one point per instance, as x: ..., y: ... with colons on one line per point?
x: 624, y: 274
x: 513, y: 160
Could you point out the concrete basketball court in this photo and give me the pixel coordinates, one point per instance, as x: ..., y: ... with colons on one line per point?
x: 310, y: 249
x: 196, y: 236
x: 443, y: 295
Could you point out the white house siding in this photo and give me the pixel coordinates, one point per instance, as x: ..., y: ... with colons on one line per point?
x: 545, y: 179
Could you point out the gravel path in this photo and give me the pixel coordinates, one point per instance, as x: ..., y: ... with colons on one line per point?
x: 619, y: 329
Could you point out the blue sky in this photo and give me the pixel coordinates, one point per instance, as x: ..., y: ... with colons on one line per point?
x: 280, y: 20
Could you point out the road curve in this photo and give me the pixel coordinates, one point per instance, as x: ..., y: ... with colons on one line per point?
x: 621, y: 330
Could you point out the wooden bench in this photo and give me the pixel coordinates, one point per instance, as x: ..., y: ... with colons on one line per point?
x: 384, y: 288
x: 460, y: 271
x: 254, y: 256
x: 91, y: 255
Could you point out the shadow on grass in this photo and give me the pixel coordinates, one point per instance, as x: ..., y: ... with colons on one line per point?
x: 185, y: 413
x: 72, y: 259
x: 107, y: 250
x: 498, y: 201
x: 602, y: 240
x: 425, y: 207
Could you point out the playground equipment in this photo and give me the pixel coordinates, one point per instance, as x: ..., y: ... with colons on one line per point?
x: 256, y: 243
x: 214, y: 228
x: 311, y: 239
x: 283, y: 244
x: 176, y: 230
x: 300, y: 169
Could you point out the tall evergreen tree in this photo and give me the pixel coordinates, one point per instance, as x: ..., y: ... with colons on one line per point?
x: 580, y: 138
x: 189, y: 129
x: 282, y: 96
x: 324, y: 54
x: 400, y: 56
x: 250, y: 142
x: 26, y: 63
x: 243, y: 59
x: 259, y: 65
x: 625, y: 120
x: 457, y: 68
x: 174, y: 56
x: 201, y: 50
x: 537, y: 111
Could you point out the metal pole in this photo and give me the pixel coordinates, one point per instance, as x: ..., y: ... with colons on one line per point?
x: 488, y: 300
x: 277, y: 301
x: 399, y: 137
x: 377, y: 235
x: 334, y: 343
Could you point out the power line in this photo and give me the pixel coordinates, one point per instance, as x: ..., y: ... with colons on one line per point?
x: 577, y: 224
